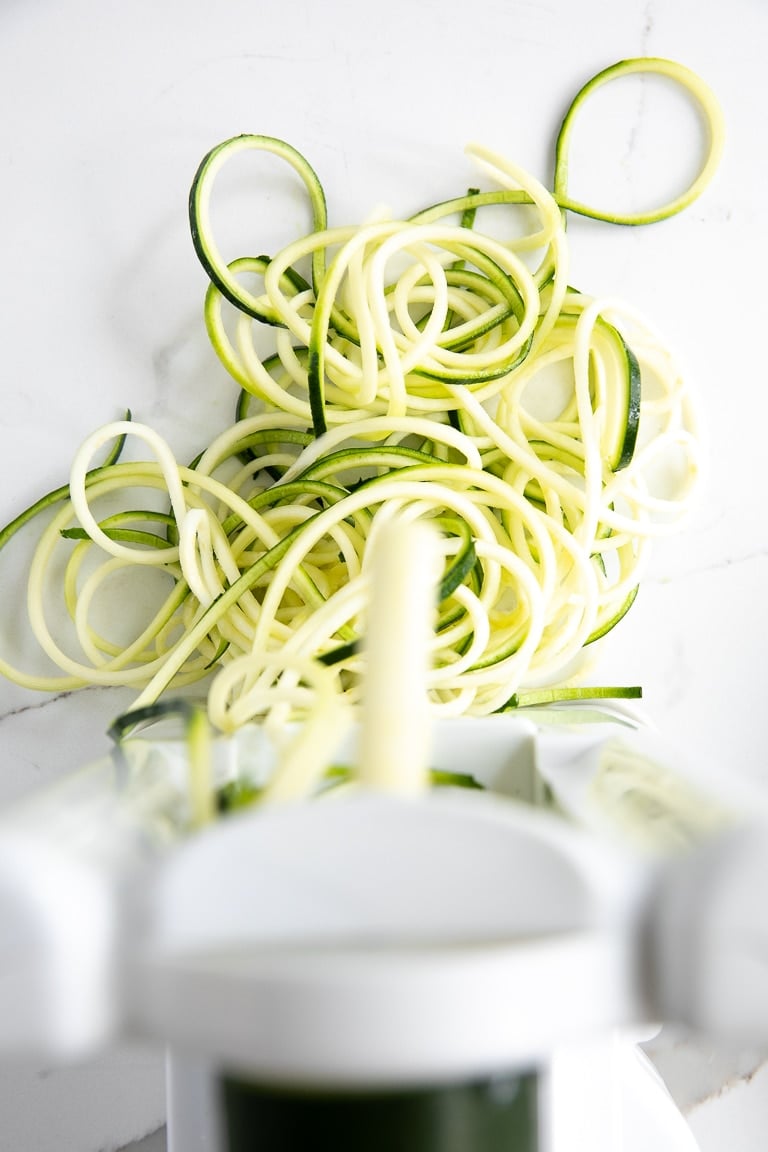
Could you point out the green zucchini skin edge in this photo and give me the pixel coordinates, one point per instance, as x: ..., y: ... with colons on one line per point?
x: 217, y: 271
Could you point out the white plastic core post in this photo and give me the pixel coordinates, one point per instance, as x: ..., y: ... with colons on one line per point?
x: 395, y: 731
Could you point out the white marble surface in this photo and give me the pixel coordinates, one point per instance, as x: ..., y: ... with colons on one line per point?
x: 108, y: 108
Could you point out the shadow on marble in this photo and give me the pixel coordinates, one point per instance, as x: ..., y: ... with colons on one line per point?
x: 155, y: 1142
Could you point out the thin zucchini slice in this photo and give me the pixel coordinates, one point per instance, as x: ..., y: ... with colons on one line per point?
x: 219, y: 272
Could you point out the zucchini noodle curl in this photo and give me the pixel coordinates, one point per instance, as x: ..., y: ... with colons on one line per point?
x: 431, y: 368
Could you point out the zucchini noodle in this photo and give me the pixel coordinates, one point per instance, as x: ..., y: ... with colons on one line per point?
x: 426, y: 368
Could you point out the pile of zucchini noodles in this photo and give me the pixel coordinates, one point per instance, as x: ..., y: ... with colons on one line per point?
x: 426, y: 368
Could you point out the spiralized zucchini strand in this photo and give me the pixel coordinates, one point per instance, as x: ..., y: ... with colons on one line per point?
x: 428, y: 370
